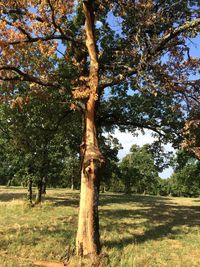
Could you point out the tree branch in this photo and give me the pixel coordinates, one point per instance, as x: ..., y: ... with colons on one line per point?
x: 68, y: 35
x: 20, y: 12
x: 25, y: 77
x: 128, y: 72
x: 110, y: 81
x: 53, y: 19
x: 174, y: 33
x: 114, y: 120
x: 36, y: 39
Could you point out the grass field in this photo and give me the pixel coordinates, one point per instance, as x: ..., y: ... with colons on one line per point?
x: 136, y: 231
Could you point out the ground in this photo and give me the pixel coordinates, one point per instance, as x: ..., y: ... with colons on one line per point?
x: 136, y: 231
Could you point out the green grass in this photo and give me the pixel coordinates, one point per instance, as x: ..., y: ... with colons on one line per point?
x: 136, y: 231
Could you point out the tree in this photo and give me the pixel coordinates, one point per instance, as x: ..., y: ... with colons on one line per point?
x: 138, y: 170
x: 191, y: 131
x: 40, y: 137
x: 186, y: 179
x: 109, y: 147
x: 148, y: 53
x: 8, y: 158
x: 71, y: 172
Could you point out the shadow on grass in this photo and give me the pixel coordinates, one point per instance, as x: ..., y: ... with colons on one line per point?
x: 64, y: 199
x: 122, y: 199
x: 56, y: 201
x: 59, y: 199
x: 158, y: 217
x: 33, y: 236
x: 9, y: 196
x: 135, y: 218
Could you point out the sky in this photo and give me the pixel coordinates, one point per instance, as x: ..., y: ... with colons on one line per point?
x: 127, y: 140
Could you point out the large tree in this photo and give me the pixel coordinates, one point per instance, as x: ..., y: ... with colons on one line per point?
x: 125, y: 48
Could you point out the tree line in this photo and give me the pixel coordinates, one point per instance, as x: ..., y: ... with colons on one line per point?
x: 39, y: 148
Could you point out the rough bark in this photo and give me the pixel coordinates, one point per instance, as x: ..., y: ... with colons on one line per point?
x: 88, y: 238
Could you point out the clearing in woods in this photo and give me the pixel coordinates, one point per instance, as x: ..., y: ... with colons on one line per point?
x: 136, y: 230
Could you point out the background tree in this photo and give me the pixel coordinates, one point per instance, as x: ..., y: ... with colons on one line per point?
x: 41, y: 136
x: 186, y: 180
x: 138, y: 171
x: 191, y: 130
x: 109, y: 175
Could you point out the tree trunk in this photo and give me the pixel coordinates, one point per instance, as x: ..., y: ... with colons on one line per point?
x: 103, y: 190
x: 39, y: 193
x: 88, y: 238
x: 127, y: 185
x: 30, y: 192
x: 44, y: 186
x: 72, y: 183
